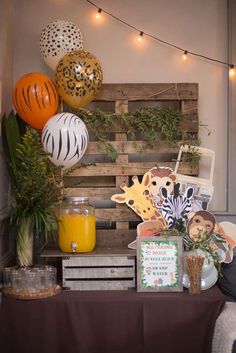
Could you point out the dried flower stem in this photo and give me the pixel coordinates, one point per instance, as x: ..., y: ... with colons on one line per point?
x: 194, y: 269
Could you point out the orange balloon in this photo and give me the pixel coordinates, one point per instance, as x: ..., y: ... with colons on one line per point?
x: 35, y: 99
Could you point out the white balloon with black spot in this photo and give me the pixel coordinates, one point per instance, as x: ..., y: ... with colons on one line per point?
x: 57, y: 39
x: 65, y: 138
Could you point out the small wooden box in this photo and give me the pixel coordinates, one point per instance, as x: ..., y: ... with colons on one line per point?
x: 101, y: 272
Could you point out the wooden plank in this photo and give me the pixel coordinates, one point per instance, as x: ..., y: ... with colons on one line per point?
x: 98, y: 261
x: 123, y: 214
x: 99, y: 272
x: 99, y: 251
x: 99, y: 285
x: 126, y: 147
x: 147, y: 91
x: 91, y: 181
x: 189, y: 108
x: 115, y: 238
x: 113, y: 169
x: 95, y: 193
x: 121, y: 107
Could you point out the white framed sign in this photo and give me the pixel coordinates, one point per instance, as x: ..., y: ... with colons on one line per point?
x: 159, y: 264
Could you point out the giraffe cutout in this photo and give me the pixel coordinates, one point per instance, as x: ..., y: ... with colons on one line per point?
x: 137, y: 197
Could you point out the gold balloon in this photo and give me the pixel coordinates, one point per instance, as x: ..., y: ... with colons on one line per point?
x: 78, y: 78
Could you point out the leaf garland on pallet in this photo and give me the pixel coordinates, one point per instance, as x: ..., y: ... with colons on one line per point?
x: 152, y: 124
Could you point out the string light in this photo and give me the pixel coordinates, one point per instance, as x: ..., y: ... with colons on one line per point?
x: 98, y: 14
x: 185, y: 54
x: 231, y: 70
x: 231, y: 66
x: 140, y: 37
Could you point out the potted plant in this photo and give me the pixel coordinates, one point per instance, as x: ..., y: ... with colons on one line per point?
x: 34, y: 189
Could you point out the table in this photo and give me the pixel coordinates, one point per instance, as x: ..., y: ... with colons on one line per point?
x: 111, y: 322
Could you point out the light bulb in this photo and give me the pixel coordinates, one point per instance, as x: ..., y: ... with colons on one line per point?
x: 185, y: 54
x: 140, y: 37
x: 98, y: 14
x: 231, y: 70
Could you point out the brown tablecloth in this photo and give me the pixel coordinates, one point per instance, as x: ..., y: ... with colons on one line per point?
x: 111, y: 322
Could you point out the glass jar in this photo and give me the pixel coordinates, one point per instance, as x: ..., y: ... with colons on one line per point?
x: 77, y: 225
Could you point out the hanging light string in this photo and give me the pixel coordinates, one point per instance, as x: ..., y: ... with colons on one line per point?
x: 142, y: 33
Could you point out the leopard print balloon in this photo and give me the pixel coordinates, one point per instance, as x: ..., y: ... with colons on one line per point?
x: 78, y: 78
x: 57, y: 39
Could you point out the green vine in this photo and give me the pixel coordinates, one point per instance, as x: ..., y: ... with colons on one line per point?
x: 152, y: 125
x: 192, y: 155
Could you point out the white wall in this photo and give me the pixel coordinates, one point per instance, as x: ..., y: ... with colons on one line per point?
x: 199, y: 26
x: 6, y: 77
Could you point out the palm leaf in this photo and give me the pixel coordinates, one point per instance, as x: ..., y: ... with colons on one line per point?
x: 10, y: 136
x: 10, y: 139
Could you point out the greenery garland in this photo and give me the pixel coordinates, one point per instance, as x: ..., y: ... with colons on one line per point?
x: 151, y: 124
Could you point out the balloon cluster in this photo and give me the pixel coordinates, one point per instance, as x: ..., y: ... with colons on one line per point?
x: 78, y: 76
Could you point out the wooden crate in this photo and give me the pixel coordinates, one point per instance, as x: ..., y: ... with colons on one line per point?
x: 103, y: 269
x: 102, y: 179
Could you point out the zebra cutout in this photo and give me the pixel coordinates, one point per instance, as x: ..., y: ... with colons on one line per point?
x: 175, y: 207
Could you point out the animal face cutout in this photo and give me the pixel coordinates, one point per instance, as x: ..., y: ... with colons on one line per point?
x: 176, y: 207
x: 200, y: 226
x: 160, y: 177
x: 138, y: 199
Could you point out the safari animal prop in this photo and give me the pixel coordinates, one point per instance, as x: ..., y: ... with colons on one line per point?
x: 160, y: 177
x: 202, y: 227
x: 137, y: 197
x: 147, y: 229
x: 203, y: 186
x: 176, y: 207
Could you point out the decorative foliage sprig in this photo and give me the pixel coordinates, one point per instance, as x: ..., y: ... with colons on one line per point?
x: 34, y: 187
x: 206, y: 245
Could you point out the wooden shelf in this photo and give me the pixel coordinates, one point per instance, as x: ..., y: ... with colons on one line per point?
x: 99, y: 251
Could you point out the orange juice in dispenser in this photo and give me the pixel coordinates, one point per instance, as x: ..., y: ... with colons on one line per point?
x: 77, y: 225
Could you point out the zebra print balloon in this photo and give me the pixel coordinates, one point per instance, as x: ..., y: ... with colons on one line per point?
x: 65, y: 137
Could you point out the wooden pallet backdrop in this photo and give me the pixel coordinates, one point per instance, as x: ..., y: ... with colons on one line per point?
x: 102, y: 179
